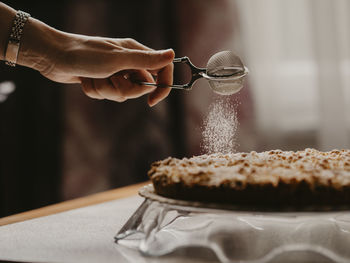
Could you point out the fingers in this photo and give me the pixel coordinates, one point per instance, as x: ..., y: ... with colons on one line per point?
x: 158, y: 95
x: 156, y: 62
x: 138, y: 62
x: 119, y: 87
x: 165, y: 76
x: 148, y: 59
x: 101, y: 89
x: 89, y: 89
x: 106, y: 89
x: 129, y: 87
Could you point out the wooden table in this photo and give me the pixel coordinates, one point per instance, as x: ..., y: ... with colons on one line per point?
x: 114, y: 194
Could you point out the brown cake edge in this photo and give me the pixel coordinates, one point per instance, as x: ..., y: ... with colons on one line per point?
x: 265, y: 195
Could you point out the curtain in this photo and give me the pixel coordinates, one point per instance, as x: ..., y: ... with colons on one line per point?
x: 298, y: 56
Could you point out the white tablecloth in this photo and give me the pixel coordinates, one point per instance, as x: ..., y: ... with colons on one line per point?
x: 80, y: 235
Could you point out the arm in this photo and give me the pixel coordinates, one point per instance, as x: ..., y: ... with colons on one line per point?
x: 107, y: 68
x: 7, y: 15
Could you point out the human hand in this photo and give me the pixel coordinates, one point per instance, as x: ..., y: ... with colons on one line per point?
x: 106, y: 68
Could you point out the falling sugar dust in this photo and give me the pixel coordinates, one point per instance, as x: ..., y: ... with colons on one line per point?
x: 220, y: 127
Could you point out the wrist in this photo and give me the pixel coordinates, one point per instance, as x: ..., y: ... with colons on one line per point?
x: 38, y: 45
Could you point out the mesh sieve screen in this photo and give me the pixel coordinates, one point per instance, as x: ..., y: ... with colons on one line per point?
x: 224, y: 64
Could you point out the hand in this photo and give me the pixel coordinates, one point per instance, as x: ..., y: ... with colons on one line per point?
x: 107, y: 68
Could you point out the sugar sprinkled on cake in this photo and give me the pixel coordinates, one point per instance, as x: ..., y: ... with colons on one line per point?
x: 270, y: 167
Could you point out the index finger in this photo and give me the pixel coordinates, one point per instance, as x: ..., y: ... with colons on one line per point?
x: 164, y: 77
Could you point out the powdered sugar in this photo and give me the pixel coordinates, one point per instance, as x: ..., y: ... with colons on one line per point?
x: 220, y: 127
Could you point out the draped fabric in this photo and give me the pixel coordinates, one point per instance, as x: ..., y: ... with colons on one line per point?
x: 298, y: 54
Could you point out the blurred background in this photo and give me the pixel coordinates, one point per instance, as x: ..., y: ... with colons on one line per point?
x: 57, y: 144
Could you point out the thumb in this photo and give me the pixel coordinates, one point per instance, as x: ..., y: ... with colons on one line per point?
x: 149, y: 59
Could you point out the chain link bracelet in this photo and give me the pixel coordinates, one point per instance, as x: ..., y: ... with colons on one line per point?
x: 14, y: 41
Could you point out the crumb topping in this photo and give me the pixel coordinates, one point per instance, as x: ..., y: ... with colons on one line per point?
x: 316, y: 168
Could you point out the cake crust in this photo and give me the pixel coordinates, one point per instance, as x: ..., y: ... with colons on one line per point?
x: 272, y: 178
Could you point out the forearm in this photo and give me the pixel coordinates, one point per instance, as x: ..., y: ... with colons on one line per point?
x: 7, y: 14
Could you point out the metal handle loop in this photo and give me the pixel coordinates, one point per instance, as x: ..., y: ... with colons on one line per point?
x: 195, y: 72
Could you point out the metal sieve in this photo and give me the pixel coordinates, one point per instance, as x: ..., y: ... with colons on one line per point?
x: 225, y: 73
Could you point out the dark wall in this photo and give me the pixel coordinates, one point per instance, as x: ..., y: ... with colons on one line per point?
x: 30, y: 129
x: 33, y: 123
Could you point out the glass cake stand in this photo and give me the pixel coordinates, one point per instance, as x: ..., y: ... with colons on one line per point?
x: 162, y: 225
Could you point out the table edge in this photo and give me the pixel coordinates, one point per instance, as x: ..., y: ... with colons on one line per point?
x: 93, y: 199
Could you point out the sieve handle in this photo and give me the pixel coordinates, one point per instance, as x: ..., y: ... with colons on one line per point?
x: 174, y: 86
x: 195, y: 72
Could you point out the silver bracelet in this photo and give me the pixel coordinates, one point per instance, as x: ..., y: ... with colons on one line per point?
x: 15, y: 38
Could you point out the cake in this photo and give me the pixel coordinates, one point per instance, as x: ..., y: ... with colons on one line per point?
x: 272, y: 178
